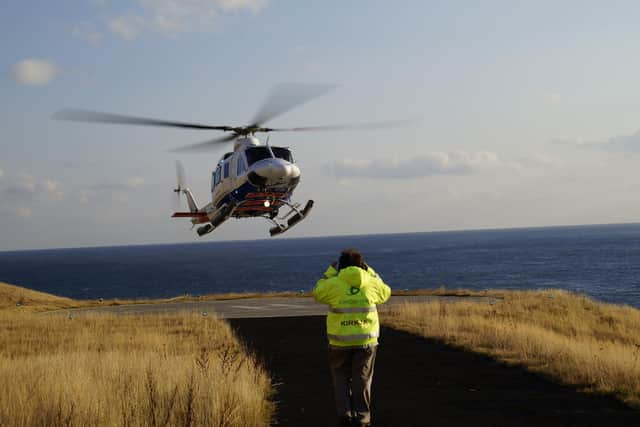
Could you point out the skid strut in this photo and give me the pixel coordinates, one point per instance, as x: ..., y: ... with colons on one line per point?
x: 296, y: 218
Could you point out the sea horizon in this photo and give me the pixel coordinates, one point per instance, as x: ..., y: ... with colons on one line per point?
x: 602, y: 261
x: 212, y: 240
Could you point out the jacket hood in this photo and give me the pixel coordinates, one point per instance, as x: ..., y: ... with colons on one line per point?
x: 353, y: 276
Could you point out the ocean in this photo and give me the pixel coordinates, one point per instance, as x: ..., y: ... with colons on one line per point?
x: 602, y: 261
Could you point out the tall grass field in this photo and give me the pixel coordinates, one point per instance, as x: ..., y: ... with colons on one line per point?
x: 182, y: 369
x: 188, y: 369
x: 569, y: 337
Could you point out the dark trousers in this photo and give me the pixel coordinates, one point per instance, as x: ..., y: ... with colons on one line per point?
x: 352, y: 372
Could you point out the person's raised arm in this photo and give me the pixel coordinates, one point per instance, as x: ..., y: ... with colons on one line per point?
x: 320, y: 291
x: 383, y: 291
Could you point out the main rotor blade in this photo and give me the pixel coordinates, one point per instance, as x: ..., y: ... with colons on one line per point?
x: 203, y: 146
x: 390, y: 124
x: 99, y: 117
x: 286, y: 96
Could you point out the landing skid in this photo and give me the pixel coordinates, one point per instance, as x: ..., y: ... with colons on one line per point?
x: 298, y: 215
x: 281, y: 224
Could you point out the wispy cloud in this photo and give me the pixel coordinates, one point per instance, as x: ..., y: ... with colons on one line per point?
x: 175, y: 16
x: 22, y: 192
x: 436, y: 163
x: 21, y: 212
x: 540, y: 161
x: 549, y: 96
x: 620, y: 143
x: 126, y: 27
x: 88, y: 33
x: 115, y: 191
x: 24, y: 187
x: 35, y: 72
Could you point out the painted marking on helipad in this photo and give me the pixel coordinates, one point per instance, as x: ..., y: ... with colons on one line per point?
x: 290, y: 305
x: 249, y: 307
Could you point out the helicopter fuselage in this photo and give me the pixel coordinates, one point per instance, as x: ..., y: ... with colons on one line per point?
x: 255, y: 179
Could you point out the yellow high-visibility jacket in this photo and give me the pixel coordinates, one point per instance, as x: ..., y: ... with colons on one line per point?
x: 352, y: 295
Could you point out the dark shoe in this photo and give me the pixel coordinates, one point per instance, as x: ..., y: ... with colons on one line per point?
x: 346, y: 422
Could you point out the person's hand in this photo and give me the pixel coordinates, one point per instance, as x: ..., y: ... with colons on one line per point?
x: 365, y: 267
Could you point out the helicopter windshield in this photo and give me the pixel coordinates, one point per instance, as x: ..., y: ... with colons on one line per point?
x: 258, y: 153
x: 282, y: 153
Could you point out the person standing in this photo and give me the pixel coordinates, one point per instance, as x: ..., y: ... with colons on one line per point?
x: 352, y: 289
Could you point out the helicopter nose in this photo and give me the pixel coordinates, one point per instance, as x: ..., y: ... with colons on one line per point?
x: 274, y: 171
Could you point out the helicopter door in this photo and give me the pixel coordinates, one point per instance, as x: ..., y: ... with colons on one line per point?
x: 227, y: 166
x: 241, y: 166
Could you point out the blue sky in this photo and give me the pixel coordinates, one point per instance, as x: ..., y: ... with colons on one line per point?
x: 528, y: 113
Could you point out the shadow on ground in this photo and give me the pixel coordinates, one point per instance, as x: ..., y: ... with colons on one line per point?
x: 418, y: 382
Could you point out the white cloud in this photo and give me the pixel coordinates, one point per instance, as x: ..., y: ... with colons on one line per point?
x: 87, y: 33
x: 251, y: 5
x: 177, y: 16
x: 436, y: 163
x: 115, y: 191
x: 24, y: 187
x: 22, y: 193
x: 624, y: 143
x: 127, y: 27
x: 35, y: 72
x: 540, y: 160
x: 549, y: 96
x: 16, y: 211
x: 620, y: 143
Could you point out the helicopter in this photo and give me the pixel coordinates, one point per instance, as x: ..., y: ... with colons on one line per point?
x: 253, y: 180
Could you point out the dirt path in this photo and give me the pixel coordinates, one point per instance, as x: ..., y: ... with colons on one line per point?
x: 418, y: 382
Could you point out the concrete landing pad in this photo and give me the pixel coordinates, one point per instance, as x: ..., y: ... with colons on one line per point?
x: 252, y: 307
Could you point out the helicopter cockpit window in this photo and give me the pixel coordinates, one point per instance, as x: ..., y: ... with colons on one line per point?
x: 256, y: 153
x: 226, y: 169
x: 282, y: 153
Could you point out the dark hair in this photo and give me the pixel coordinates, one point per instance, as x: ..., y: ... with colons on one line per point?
x: 350, y: 258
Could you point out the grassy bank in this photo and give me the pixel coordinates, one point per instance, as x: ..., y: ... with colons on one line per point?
x: 157, y: 370
x: 571, y: 338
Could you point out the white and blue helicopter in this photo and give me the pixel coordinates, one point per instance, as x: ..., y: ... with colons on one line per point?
x: 253, y: 180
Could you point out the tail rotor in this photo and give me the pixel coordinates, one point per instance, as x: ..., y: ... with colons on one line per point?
x: 183, y: 189
x: 181, y: 184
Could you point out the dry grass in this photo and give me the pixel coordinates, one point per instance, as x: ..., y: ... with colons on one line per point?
x: 12, y: 297
x: 570, y: 337
x: 105, y: 370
